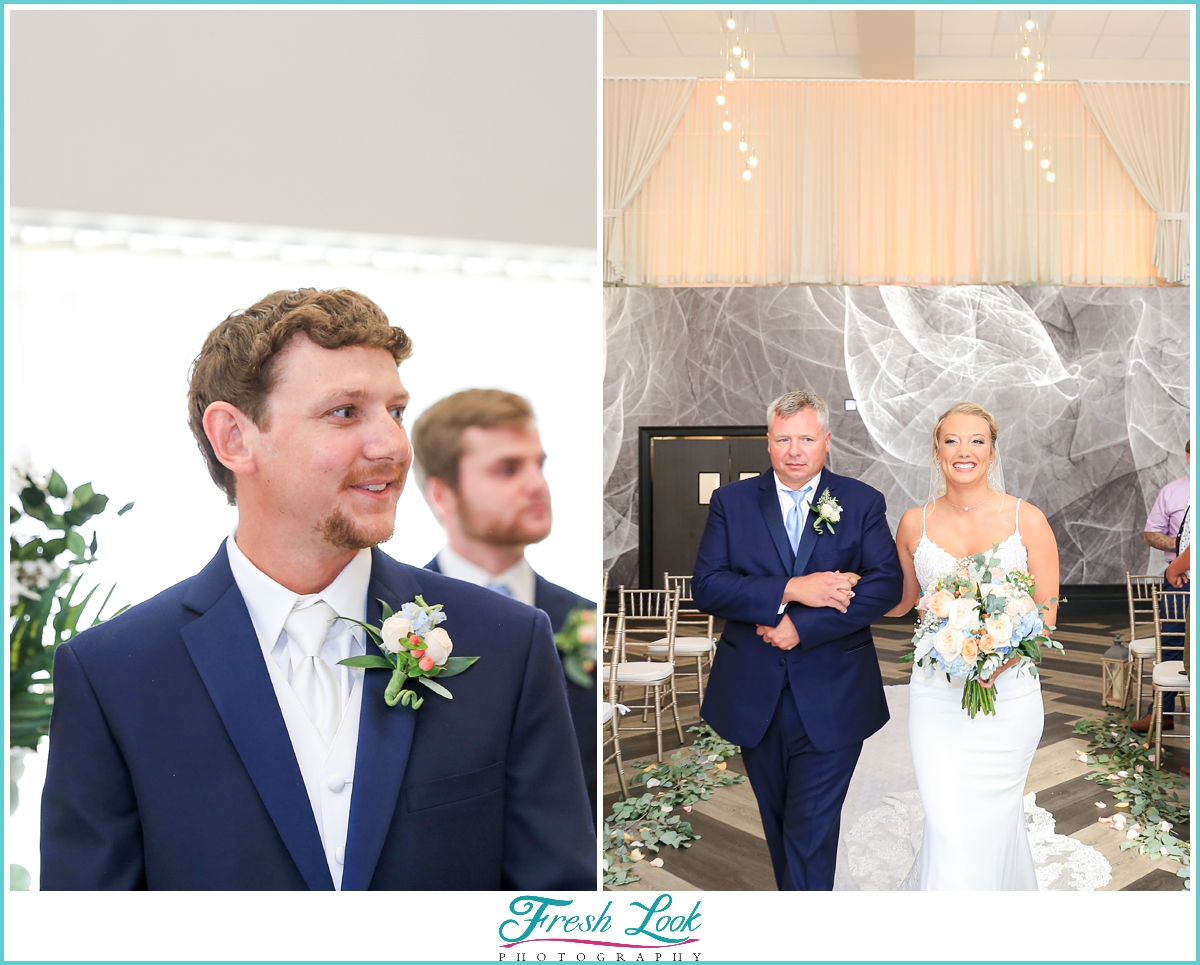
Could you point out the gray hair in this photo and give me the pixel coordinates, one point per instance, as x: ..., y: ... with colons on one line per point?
x: 788, y: 404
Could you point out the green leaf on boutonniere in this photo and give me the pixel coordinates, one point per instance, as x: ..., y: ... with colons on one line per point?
x: 436, y: 687
x: 456, y: 665
x: 370, y: 660
x: 387, y: 610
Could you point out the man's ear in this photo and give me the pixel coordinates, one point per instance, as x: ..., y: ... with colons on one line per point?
x: 229, y: 432
x: 441, y: 499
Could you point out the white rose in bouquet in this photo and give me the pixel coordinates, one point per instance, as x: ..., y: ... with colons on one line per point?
x: 963, y: 614
x: 1000, y: 627
x: 395, y: 631
x: 949, y: 643
x: 438, y: 646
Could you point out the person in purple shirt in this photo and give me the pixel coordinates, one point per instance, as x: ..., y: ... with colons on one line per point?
x: 1162, y: 533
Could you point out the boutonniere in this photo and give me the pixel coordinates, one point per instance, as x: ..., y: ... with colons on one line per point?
x: 576, y: 641
x: 828, y: 512
x: 413, y: 647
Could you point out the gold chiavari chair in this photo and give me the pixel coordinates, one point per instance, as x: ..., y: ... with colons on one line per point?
x: 698, y: 647
x: 1139, y: 590
x: 1170, y: 617
x: 610, y: 709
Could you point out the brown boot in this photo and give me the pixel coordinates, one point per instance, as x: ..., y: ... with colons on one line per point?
x: 1143, y: 725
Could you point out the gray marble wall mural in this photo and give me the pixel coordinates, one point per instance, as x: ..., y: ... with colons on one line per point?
x: 1090, y: 386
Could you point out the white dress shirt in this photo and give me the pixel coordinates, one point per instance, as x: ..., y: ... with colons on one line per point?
x: 519, y: 578
x: 786, y: 503
x: 328, y: 771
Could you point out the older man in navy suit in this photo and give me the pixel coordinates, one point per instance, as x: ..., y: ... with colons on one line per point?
x: 479, y: 458
x: 214, y: 737
x: 799, y: 562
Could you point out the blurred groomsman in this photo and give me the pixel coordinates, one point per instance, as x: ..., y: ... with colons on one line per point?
x: 1162, y: 533
x: 479, y: 460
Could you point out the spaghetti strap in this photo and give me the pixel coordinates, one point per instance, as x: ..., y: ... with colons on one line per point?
x: 924, y: 510
x: 1017, y: 519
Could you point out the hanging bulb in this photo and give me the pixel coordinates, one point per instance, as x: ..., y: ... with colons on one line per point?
x: 746, y: 175
x: 728, y: 125
x: 742, y: 145
x: 1045, y: 163
x: 1017, y: 123
x: 1025, y: 51
x: 1029, y: 145
x: 1038, y: 77
x: 1021, y: 97
x: 720, y: 98
x: 1050, y: 176
x: 1040, y: 65
x: 737, y: 50
x: 745, y: 62
x: 752, y: 161
x: 730, y: 23
x: 729, y: 74
x: 1029, y: 24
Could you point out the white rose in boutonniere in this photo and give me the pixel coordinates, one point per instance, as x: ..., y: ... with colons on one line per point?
x: 828, y: 512
x: 414, y: 648
x: 395, y: 632
x: 438, y: 646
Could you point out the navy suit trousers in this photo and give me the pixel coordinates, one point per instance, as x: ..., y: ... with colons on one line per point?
x: 800, y: 793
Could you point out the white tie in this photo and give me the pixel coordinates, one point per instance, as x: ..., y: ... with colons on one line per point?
x: 314, y: 681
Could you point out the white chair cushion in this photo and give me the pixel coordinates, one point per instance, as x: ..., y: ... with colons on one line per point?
x: 1168, y: 675
x: 641, y: 673
x: 605, y: 712
x: 1143, y: 647
x: 684, y: 646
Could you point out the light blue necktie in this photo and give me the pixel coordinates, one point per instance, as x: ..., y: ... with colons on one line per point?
x: 792, y: 523
x: 501, y: 589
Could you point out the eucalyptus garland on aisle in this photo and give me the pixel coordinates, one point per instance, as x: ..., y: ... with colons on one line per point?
x: 1148, y: 807
x: 638, y: 825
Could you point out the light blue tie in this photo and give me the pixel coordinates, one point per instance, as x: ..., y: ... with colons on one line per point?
x: 501, y: 588
x: 792, y: 523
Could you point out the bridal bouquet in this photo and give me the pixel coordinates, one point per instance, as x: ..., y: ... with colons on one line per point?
x: 975, y: 619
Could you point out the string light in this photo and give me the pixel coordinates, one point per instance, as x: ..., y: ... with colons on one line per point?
x: 720, y: 98
x: 729, y: 74
x: 1045, y: 163
x: 745, y: 62
x: 752, y: 161
x: 730, y: 23
x: 746, y: 175
x: 1025, y: 51
x: 1028, y: 145
x: 1029, y: 24
x: 1021, y: 97
x: 742, y: 145
x: 727, y: 124
x: 1050, y: 176
x: 1017, y: 123
x: 1037, y: 77
x: 1040, y: 65
x: 737, y: 50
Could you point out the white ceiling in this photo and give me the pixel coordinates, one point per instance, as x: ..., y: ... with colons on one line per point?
x: 383, y: 121
x: 1144, y: 43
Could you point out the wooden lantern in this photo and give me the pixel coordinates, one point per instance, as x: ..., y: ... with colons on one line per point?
x: 1115, y: 674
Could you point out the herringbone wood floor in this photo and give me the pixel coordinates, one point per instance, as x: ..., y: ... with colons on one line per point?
x: 732, y: 854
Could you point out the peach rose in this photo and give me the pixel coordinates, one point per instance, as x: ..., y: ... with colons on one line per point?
x: 986, y: 643
x: 939, y: 604
x: 970, y: 650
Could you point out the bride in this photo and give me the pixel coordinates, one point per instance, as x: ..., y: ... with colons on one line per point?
x: 971, y: 772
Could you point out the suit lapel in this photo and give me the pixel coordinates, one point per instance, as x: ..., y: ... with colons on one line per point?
x: 224, y: 647
x: 384, y: 738
x: 808, y: 535
x: 768, y: 502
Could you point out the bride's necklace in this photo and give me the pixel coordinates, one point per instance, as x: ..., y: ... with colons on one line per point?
x: 967, y: 509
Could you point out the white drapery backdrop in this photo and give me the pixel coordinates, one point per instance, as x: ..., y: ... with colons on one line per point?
x: 886, y: 182
x: 639, y: 118
x: 1147, y: 126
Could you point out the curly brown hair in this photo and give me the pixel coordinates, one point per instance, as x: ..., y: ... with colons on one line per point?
x: 237, y: 363
x: 437, y: 436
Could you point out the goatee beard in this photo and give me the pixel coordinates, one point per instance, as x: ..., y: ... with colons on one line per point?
x: 339, y: 531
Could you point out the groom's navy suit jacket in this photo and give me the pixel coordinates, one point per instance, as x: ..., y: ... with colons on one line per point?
x: 171, y: 767
x: 743, y: 565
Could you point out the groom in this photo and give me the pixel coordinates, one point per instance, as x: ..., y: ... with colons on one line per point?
x: 210, y: 738
x: 798, y: 562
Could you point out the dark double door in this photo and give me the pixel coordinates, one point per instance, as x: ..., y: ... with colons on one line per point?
x: 680, y: 468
